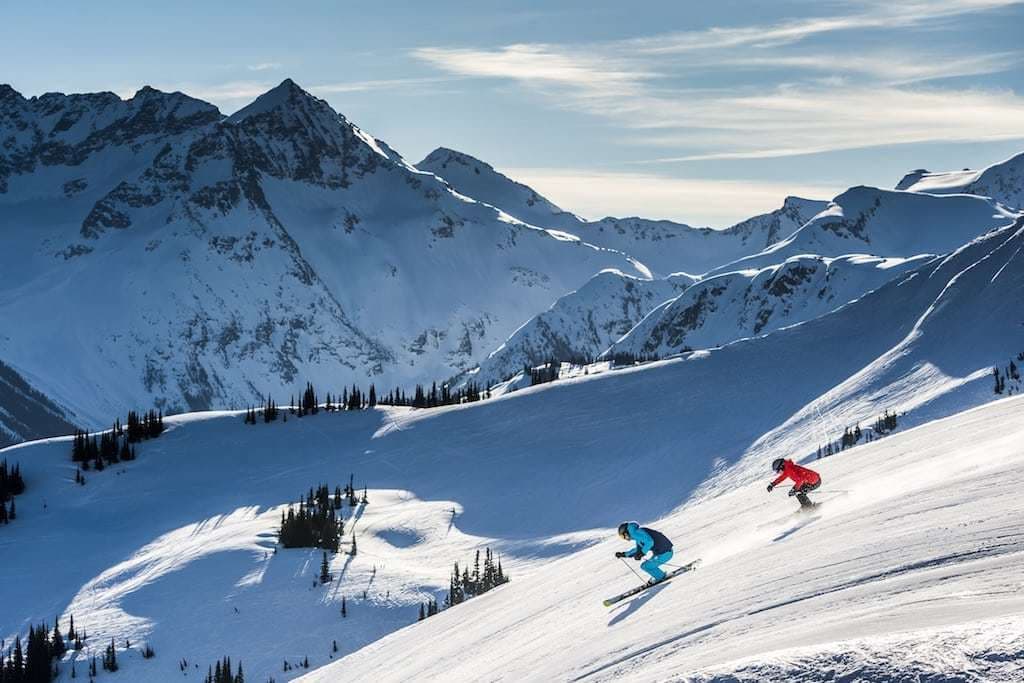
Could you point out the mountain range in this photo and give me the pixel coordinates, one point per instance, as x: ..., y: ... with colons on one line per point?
x: 193, y: 260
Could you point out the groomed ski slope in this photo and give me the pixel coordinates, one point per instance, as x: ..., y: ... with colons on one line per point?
x: 917, y: 573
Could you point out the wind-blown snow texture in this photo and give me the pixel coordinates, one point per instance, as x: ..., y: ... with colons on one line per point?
x: 867, y: 220
x: 1003, y: 182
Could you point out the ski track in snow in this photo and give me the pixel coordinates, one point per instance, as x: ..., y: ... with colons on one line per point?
x: 913, y: 575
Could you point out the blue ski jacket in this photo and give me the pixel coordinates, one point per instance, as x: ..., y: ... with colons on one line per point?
x: 647, y: 540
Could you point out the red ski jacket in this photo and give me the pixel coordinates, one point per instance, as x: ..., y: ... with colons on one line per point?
x: 799, y: 475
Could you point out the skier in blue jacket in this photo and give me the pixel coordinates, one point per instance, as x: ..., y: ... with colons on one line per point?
x: 647, y: 541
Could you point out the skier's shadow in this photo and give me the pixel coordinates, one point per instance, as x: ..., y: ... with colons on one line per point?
x: 792, y: 530
x: 636, y: 603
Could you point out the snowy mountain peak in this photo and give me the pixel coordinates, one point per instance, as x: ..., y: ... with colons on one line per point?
x: 1003, y: 182
x: 444, y: 155
x: 477, y: 179
x: 286, y: 96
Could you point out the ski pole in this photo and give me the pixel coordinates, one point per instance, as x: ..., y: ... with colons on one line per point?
x: 631, y: 569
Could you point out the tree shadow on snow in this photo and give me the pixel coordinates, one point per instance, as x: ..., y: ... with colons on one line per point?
x: 636, y: 603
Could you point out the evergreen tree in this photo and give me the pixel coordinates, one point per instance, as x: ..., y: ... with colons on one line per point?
x: 57, y: 645
x: 325, y: 574
x: 110, y: 657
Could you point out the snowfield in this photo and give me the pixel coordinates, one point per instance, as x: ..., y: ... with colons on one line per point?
x: 912, y: 569
x: 190, y: 261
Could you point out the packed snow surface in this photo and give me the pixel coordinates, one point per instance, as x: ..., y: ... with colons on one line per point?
x: 912, y: 569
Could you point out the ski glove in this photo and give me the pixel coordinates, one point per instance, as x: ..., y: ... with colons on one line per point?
x: 639, y: 555
x: 620, y: 555
x: 794, y: 491
x: 770, y: 487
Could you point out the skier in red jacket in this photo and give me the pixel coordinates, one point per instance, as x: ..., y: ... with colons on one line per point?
x: 804, y: 480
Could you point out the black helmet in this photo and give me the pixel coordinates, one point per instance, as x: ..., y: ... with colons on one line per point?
x: 624, y: 530
x: 778, y: 464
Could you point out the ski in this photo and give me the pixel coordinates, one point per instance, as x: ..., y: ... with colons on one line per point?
x: 640, y: 589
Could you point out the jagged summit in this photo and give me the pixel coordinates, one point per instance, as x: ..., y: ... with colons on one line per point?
x: 286, y: 95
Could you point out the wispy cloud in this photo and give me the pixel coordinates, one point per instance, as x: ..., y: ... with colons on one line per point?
x: 873, y: 14
x: 381, y: 84
x: 818, y: 101
x: 264, y: 66
x: 699, y: 201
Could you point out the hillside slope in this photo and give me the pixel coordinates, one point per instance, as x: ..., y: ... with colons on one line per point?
x: 25, y: 413
x: 167, y: 546
x: 886, y: 223
x: 1003, y: 182
x: 664, y: 246
x: 580, y: 325
x: 723, y: 308
x: 907, y: 575
x: 478, y: 179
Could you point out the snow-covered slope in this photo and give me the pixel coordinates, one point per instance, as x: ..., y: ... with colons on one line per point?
x: 1003, y: 182
x: 664, y: 246
x: 731, y: 306
x: 189, y: 260
x: 166, y: 547
x: 910, y: 571
x: 25, y: 413
x: 669, y: 247
x: 867, y: 220
x: 477, y: 179
x: 580, y: 325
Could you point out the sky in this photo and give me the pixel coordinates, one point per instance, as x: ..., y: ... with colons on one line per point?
x: 704, y: 113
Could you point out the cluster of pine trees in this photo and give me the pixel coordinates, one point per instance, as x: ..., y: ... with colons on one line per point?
x: 354, y: 398
x: 318, y: 522
x: 622, y: 358
x: 884, y: 424
x: 224, y: 672
x: 434, y: 397
x: 11, y: 485
x: 1010, y: 372
x: 96, y: 451
x: 288, y: 666
x: 542, y: 374
x: 149, y: 426
x: 268, y: 409
x: 465, y: 584
x: 109, y: 659
x: 36, y: 662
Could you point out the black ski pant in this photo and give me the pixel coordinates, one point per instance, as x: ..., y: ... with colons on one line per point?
x: 801, y: 495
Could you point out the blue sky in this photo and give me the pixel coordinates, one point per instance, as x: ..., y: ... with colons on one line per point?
x: 699, y: 112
